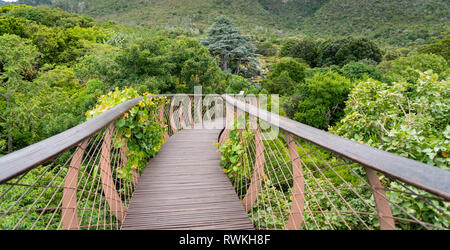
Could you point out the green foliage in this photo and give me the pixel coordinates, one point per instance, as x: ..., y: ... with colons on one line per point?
x: 304, y: 48
x: 402, y: 22
x: 430, y: 212
x: 234, y: 152
x: 409, y: 119
x: 164, y: 65
x: 56, y: 104
x: 20, y: 198
x: 236, y: 84
x: 272, y: 209
x: 441, y: 47
x: 195, y: 67
x: 359, y: 70
x: 328, y: 50
x: 408, y: 68
x: 285, y: 77
x: 139, y: 130
x: 320, y: 101
x: 12, y: 25
x: 394, y: 53
x: 48, y: 17
x: 266, y: 48
x: 343, y: 51
x: 102, y: 66
x: 17, y: 61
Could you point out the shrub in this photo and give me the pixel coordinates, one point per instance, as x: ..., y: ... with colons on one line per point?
x: 320, y: 101
x: 408, y: 68
x: 409, y: 119
x: 236, y: 84
x: 284, y: 78
x: 343, y: 51
x: 441, y: 47
x: 359, y: 70
x: 304, y: 48
x: 266, y: 49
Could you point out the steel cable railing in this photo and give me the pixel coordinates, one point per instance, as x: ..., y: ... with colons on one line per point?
x: 301, y: 178
x: 76, y: 180
x: 69, y: 181
x: 304, y: 178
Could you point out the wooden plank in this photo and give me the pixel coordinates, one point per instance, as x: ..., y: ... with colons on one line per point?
x: 184, y: 187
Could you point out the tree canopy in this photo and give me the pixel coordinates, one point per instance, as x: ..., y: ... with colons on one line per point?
x: 235, y: 51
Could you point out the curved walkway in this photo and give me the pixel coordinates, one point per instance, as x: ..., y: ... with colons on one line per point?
x: 184, y: 187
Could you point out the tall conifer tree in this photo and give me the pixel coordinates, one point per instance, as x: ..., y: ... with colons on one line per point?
x: 236, y: 53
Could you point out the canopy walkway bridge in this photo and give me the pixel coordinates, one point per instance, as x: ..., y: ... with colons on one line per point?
x: 277, y: 174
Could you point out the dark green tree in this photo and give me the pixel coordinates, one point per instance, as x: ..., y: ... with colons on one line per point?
x: 343, y: 51
x: 235, y: 51
x: 357, y: 49
x: 284, y: 78
x: 359, y: 70
x: 320, y: 101
x: 304, y: 48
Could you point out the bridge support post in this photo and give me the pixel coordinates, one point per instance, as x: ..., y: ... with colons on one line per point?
x: 298, y: 189
x: 198, y: 110
x: 258, y: 173
x: 161, y: 119
x: 180, y: 114
x: 208, y: 115
x: 229, y: 116
x: 109, y: 188
x: 171, y: 120
x: 69, y: 200
x: 190, y: 106
x: 381, y: 201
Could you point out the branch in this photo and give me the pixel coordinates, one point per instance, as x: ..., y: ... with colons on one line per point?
x: 4, y: 119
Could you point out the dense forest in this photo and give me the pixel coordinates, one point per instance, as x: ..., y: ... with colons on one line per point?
x: 367, y: 73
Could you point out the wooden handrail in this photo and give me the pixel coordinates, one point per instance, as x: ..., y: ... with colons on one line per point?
x: 418, y: 174
x: 23, y: 160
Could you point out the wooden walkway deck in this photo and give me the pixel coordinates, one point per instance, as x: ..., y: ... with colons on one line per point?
x: 184, y: 187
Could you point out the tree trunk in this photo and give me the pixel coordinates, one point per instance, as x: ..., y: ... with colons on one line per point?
x: 224, y: 64
x: 238, y: 67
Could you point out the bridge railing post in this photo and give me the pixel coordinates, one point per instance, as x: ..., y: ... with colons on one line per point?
x: 258, y: 169
x: 69, y: 200
x: 114, y: 201
x: 173, y: 126
x: 189, y: 108
x: 381, y: 201
x: 298, y: 187
x: 161, y: 119
x: 229, y: 118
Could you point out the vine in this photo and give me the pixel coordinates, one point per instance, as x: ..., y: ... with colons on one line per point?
x: 138, y: 131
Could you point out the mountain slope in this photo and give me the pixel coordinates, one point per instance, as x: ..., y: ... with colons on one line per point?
x: 399, y: 22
